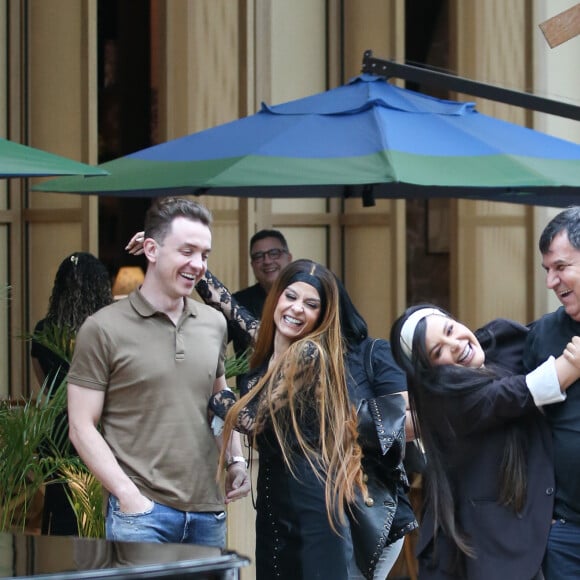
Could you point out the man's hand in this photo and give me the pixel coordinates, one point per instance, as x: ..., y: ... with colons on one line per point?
x: 237, y: 482
x: 136, y: 504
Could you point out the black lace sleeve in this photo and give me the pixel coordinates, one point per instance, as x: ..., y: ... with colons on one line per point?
x: 223, y: 401
x: 215, y: 294
x: 254, y: 417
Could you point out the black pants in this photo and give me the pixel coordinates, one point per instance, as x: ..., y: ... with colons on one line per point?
x: 294, y: 540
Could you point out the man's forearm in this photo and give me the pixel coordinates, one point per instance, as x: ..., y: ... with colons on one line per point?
x: 99, y: 458
x: 234, y: 448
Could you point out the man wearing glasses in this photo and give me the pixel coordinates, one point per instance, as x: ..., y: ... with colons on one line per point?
x: 268, y: 255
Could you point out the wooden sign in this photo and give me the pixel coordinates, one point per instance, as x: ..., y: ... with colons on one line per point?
x: 562, y: 27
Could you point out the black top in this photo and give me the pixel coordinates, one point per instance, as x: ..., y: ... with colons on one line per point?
x: 52, y: 365
x: 251, y: 298
x: 389, y: 378
x: 55, y: 370
x: 549, y: 336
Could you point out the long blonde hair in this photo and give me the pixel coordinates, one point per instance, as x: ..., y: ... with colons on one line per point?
x: 309, y: 376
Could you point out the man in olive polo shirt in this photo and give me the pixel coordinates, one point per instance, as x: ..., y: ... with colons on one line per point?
x: 144, y: 369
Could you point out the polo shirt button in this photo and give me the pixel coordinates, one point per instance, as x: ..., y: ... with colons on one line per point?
x: 550, y: 491
x: 370, y: 502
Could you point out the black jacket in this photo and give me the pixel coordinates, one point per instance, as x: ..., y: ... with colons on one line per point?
x: 373, y: 378
x: 507, y: 545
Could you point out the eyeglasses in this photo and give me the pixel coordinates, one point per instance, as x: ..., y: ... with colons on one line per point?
x: 273, y: 254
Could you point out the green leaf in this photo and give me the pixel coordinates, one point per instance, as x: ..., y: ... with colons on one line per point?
x: 238, y: 365
x: 59, y: 339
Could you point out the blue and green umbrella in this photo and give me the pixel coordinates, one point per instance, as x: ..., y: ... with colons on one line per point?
x: 367, y: 138
x: 18, y: 160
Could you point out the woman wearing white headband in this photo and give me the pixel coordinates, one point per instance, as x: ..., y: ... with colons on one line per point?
x: 489, y: 478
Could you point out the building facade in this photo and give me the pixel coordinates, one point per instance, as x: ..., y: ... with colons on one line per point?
x: 95, y: 79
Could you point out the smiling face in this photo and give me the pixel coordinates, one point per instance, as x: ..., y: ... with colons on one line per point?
x: 297, y: 311
x: 266, y: 267
x: 562, y: 265
x: 181, y: 259
x: 449, y: 342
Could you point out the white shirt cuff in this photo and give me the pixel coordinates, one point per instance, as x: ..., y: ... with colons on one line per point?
x: 543, y: 384
x: 217, y: 426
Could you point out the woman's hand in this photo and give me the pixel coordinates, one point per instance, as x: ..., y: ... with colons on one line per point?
x: 135, y: 245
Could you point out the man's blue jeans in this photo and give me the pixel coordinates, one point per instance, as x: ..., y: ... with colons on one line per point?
x: 165, y: 524
x: 562, y: 558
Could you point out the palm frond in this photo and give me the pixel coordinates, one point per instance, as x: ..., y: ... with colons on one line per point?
x: 85, y: 494
x: 238, y: 365
x: 59, y: 339
x: 26, y: 432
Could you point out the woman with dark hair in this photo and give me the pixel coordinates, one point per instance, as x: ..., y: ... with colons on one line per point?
x: 380, y: 519
x: 296, y: 409
x: 489, y: 476
x: 81, y: 287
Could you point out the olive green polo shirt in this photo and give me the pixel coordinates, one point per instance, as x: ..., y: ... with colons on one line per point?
x: 157, y: 378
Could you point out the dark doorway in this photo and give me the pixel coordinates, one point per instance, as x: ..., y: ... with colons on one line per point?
x: 125, y: 117
x: 428, y: 267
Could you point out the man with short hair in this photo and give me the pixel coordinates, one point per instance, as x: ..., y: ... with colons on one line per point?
x: 560, y: 248
x: 268, y: 255
x: 144, y: 369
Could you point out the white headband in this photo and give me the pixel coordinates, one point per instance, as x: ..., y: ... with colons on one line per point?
x: 409, y: 326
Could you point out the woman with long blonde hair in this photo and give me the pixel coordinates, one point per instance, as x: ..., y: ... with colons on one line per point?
x: 297, y: 410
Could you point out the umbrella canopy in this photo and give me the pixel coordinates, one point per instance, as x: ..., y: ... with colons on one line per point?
x: 367, y: 138
x: 18, y: 160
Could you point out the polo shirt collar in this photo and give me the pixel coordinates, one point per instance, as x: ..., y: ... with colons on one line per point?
x: 146, y: 309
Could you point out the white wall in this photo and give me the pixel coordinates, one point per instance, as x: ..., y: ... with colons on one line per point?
x: 555, y: 77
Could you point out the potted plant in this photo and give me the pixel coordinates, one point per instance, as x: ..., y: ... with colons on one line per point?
x: 28, y: 452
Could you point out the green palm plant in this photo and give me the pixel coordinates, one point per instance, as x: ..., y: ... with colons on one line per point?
x: 84, y: 491
x: 59, y: 339
x: 35, y: 451
x: 29, y: 444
